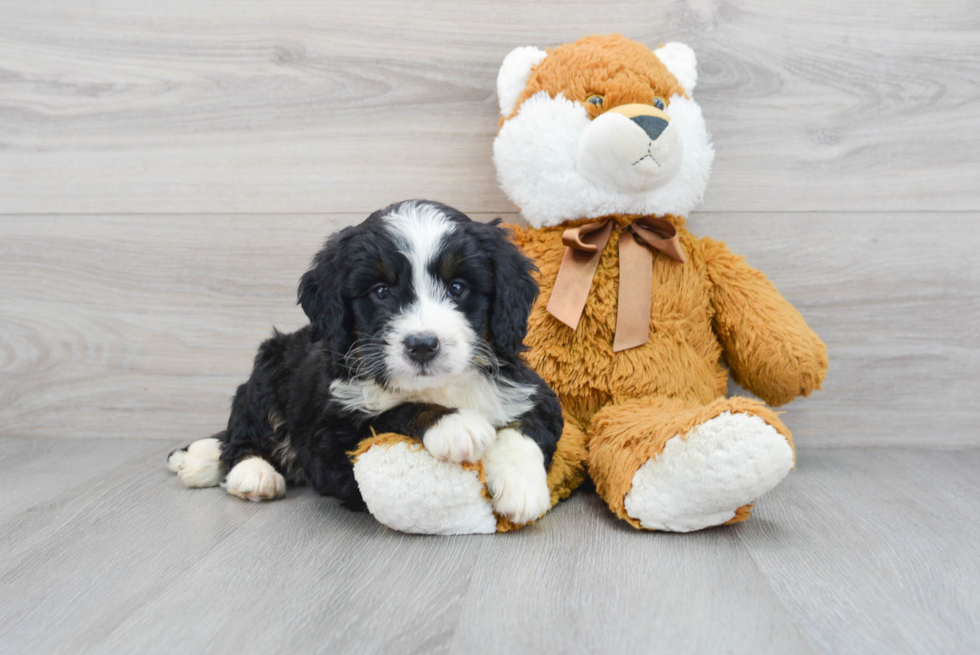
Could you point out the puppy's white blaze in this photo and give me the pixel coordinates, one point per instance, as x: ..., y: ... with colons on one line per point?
x: 516, y: 478
x: 255, y: 479
x: 420, y: 230
x: 200, y: 465
x: 499, y: 401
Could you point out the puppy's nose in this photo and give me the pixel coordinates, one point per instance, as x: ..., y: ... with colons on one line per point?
x: 422, y: 347
x: 652, y: 125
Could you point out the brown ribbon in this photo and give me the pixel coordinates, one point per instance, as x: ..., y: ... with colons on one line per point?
x: 584, y: 246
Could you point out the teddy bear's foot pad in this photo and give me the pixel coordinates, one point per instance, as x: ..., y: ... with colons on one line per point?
x: 701, y: 479
x: 409, y: 490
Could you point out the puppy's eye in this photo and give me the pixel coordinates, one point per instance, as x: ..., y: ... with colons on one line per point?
x: 381, y: 292
x: 457, y: 289
x: 595, y: 100
x: 659, y: 103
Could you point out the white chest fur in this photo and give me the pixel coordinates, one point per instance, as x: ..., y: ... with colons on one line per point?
x: 499, y: 401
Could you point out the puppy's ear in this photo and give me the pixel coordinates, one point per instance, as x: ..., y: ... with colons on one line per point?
x: 515, y: 291
x: 321, y: 296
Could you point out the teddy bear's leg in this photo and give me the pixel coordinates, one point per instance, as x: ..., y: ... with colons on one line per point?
x: 567, y: 469
x: 661, y: 464
x: 408, y: 489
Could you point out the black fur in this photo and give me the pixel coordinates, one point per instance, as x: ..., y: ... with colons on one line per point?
x: 515, y: 292
x: 285, y: 412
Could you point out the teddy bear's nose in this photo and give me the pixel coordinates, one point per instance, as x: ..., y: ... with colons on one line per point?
x: 652, y: 125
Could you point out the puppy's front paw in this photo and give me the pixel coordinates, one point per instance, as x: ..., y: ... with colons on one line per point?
x: 516, y: 477
x: 255, y: 479
x: 459, y: 437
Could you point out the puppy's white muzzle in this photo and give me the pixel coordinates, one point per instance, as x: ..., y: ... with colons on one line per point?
x: 447, y: 338
x: 628, y: 148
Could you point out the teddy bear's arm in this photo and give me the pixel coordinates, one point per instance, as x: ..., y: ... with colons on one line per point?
x: 768, y: 346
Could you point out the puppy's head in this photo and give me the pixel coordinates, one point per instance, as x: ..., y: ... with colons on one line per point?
x: 418, y: 294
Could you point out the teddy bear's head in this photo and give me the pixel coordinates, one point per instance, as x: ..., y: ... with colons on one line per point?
x: 601, y: 126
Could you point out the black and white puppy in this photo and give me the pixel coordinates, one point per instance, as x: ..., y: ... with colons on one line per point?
x: 417, y: 318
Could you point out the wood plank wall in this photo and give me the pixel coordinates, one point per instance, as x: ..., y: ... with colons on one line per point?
x: 167, y: 169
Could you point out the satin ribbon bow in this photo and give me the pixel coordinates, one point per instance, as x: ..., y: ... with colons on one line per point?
x: 584, y: 245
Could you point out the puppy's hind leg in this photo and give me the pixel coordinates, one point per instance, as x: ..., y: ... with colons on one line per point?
x: 199, y: 464
x: 254, y: 431
x: 255, y: 428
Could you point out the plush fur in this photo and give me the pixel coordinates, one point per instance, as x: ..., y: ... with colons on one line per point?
x: 417, y: 320
x: 553, y: 144
x: 666, y: 449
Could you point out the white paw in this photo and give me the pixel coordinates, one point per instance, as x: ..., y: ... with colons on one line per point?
x: 255, y: 479
x: 701, y: 479
x: 174, y: 460
x: 200, y: 465
x: 516, y: 478
x: 407, y: 489
x: 459, y: 437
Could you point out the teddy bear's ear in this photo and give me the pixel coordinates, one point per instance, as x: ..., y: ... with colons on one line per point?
x: 513, y: 76
x: 680, y: 60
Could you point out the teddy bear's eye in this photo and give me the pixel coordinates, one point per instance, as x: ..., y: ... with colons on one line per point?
x: 659, y: 103
x: 595, y: 100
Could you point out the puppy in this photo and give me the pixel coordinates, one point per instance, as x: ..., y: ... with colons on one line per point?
x: 417, y: 318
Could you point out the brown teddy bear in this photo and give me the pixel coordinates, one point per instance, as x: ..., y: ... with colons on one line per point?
x: 604, y: 150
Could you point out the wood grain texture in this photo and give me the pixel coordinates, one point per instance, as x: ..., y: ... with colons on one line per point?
x: 861, y: 551
x: 586, y: 582
x: 142, y: 327
x: 30, y: 469
x: 900, y: 525
x: 297, y: 106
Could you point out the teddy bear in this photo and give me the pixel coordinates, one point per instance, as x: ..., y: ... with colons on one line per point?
x: 605, y: 152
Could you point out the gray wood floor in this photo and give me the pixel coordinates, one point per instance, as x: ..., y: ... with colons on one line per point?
x: 859, y: 551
